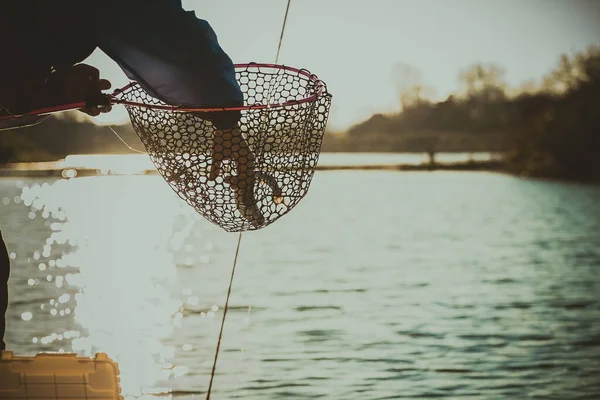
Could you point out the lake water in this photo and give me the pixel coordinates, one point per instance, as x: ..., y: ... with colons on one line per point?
x: 379, y: 285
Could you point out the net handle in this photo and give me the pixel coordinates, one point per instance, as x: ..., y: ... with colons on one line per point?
x: 113, y: 97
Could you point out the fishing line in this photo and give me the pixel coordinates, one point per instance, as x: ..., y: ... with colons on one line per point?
x: 226, y: 307
x: 125, y: 143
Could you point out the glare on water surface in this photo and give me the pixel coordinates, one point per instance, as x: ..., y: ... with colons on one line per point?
x: 121, y: 271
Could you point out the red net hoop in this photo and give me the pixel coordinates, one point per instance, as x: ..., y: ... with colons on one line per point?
x: 247, y: 177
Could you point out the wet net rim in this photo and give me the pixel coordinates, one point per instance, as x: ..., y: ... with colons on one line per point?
x: 320, y: 90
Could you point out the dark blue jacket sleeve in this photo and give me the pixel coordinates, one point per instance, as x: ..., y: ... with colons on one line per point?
x: 171, y: 53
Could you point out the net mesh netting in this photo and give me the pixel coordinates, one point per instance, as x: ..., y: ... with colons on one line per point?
x: 248, y: 177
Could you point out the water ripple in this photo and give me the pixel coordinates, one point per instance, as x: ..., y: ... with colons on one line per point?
x: 443, y: 285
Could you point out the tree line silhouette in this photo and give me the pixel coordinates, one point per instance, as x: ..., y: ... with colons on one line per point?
x: 549, y: 127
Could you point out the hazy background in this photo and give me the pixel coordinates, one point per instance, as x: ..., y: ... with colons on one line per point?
x: 354, y: 45
x: 381, y: 284
x: 514, y: 77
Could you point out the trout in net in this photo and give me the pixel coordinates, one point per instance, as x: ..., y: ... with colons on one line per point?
x: 247, y: 177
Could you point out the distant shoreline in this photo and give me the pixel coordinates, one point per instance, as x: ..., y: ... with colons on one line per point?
x: 46, y: 170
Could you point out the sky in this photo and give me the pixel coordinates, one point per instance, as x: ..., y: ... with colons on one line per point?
x: 355, y: 45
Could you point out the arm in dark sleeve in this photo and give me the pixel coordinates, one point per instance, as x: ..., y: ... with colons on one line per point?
x: 171, y: 53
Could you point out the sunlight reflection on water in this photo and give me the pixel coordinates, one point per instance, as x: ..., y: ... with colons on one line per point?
x: 125, y: 271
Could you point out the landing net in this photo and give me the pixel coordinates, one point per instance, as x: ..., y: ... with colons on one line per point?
x: 247, y: 177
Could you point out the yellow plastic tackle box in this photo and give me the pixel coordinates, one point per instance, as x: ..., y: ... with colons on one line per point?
x: 58, y: 376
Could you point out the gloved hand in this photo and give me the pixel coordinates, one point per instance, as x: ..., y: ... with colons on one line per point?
x: 80, y: 83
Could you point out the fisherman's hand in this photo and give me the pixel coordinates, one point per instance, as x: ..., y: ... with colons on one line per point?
x: 82, y: 83
x: 230, y: 144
